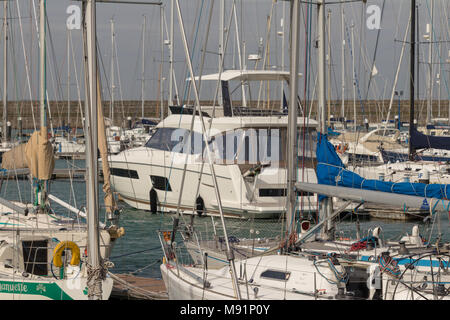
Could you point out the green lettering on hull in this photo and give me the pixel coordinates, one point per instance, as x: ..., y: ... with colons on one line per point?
x: 50, y: 290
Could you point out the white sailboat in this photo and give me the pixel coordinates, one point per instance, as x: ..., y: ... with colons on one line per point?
x: 44, y: 255
x: 269, y: 276
x: 272, y: 273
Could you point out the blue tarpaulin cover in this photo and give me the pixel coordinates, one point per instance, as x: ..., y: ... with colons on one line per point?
x: 331, y: 171
x: 422, y: 141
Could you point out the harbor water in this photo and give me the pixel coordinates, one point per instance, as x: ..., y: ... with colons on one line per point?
x: 139, y: 252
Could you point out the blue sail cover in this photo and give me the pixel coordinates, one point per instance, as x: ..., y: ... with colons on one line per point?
x: 422, y: 141
x: 331, y: 171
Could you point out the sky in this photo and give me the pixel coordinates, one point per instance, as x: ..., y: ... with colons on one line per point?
x: 253, y: 17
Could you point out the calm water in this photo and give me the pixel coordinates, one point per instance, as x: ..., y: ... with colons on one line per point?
x: 139, y: 251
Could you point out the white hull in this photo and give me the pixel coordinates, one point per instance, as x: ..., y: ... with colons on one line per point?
x: 237, y: 200
x: 187, y: 284
x: 251, y: 182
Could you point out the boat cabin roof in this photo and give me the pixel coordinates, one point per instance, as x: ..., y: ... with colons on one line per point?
x: 248, y: 75
x: 223, y: 124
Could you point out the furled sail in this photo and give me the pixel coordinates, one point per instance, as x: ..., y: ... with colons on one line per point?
x: 36, y: 154
x: 331, y: 171
x: 103, y: 149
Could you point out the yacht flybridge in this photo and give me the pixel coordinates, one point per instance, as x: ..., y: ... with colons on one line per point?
x: 249, y: 156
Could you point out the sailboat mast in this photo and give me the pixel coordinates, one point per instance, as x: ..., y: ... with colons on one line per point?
x: 412, y: 76
x: 111, y: 109
x: 42, y: 66
x: 342, y: 62
x: 170, y: 99
x: 430, y: 69
x: 354, y: 75
x: 161, y: 78
x: 329, y: 66
x: 68, y: 77
x: 292, y: 150
x: 230, y: 254
x: 5, y: 72
x: 94, y: 283
x: 283, y: 21
x: 143, y: 67
x: 42, y: 86
x: 238, y: 41
x: 325, y: 206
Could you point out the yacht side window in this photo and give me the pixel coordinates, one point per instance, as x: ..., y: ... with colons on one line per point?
x: 176, y: 140
x: 275, y: 275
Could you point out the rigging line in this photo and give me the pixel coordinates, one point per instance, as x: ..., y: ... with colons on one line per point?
x: 188, y: 85
x: 355, y: 75
x: 306, y: 19
x: 78, y: 85
x: 135, y: 80
x: 222, y: 58
x: 439, y: 55
x: 197, y: 193
x: 53, y: 73
x: 15, y: 73
x: 118, y: 77
x: 26, y: 65
x: 375, y: 51
x: 266, y: 49
x: 194, y: 34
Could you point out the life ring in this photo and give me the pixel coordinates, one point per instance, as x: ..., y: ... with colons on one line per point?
x: 341, y: 148
x: 74, y: 249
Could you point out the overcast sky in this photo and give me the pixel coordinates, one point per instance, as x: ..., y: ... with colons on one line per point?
x: 252, y: 22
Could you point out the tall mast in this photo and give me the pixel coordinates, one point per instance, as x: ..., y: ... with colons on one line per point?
x: 283, y: 22
x: 292, y: 148
x: 42, y: 66
x: 325, y: 206
x: 5, y: 73
x: 230, y: 254
x: 68, y: 77
x: 412, y: 75
x: 244, y: 99
x: 329, y: 66
x: 95, y: 283
x: 170, y: 100
x: 342, y: 62
x: 42, y: 87
x: 111, y: 107
x: 143, y: 67
x: 221, y: 61
x: 430, y: 68
x: 221, y: 28
x: 353, y: 75
x: 161, y: 80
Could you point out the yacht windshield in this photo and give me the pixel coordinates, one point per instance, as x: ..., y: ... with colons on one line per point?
x: 256, y: 145
x: 176, y: 140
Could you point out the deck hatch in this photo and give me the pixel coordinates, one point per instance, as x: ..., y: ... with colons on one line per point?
x: 275, y: 275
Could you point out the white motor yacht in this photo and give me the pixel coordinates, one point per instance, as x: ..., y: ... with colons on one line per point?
x: 249, y: 160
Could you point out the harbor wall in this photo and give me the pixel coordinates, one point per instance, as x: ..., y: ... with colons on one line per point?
x: 373, y: 110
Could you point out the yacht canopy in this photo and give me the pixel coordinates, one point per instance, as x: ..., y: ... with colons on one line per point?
x: 231, y: 123
x: 247, y: 75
